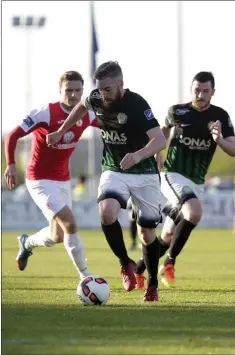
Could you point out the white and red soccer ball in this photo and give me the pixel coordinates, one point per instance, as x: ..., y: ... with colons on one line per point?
x: 93, y: 291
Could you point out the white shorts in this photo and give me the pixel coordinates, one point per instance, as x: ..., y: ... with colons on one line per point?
x: 176, y: 188
x: 50, y: 196
x: 144, y: 190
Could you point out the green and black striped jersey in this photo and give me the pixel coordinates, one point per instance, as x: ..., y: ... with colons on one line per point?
x: 192, y: 146
x: 123, y: 129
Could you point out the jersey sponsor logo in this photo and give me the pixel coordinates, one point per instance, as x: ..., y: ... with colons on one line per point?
x: 149, y: 114
x: 196, y: 143
x: 122, y: 118
x: 68, y: 137
x: 114, y: 137
x: 181, y: 111
x: 65, y: 146
x: 28, y: 121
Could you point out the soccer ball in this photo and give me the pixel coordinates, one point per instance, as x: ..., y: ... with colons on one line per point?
x: 93, y: 291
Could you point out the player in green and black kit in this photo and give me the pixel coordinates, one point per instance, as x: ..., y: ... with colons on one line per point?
x: 198, y: 127
x: 131, y: 137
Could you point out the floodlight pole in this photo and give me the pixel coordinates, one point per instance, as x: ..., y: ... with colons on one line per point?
x: 180, y: 49
x: 28, y: 24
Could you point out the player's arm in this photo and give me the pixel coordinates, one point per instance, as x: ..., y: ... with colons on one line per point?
x: 166, y: 130
x: 77, y: 113
x: 148, y: 124
x: 223, y: 134
x: 157, y: 142
x: 35, y: 119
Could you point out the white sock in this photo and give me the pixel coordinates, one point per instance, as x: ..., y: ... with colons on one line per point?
x: 40, y: 239
x: 73, y: 245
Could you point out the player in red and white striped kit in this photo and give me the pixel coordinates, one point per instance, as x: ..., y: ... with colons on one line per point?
x: 47, y: 174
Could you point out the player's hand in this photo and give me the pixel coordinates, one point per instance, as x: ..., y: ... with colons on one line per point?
x: 129, y: 160
x: 216, y: 131
x: 53, y: 138
x: 10, y: 176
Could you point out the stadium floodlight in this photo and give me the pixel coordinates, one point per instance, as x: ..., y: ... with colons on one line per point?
x: 28, y: 24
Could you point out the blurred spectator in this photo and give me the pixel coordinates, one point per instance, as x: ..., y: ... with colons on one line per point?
x: 80, y: 190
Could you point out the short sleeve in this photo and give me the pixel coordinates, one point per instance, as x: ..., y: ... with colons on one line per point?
x: 35, y: 118
x: 227, y: 126
x: 144, y: 114
x: 169, y: 120
x: 88, y: 103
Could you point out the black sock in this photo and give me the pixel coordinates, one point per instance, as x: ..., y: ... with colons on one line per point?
x: 114, y: 237
x: 133, y: 231
x: 151, y: 260
x: 140, y: 265
x: 180, y: 237
x: 163, y: 247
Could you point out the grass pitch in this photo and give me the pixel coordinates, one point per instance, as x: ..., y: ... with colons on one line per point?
x: 41, y: 314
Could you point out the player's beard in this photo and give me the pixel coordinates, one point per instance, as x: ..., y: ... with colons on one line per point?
x: 113, y: 104
x: 201, y: 104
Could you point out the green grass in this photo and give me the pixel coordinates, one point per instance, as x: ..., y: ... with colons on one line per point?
x: 41, y: 314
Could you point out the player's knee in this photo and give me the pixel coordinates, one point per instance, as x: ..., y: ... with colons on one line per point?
x: 66, y: 221
x: 146, y: 235
x: 108, y: 212
x: 58, y: 237
x: 192, y: 211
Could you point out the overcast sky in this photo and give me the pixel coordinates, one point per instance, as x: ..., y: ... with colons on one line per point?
x: 140, y: 35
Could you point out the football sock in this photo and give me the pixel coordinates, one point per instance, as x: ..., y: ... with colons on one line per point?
x: 74, y: 247
x: 151, y: 259
x: 180, y: 237
x: 140, y: 265
x: 163, y: 247
x: 114, y: 237
x: 40, y: 239
x: 133, y: 231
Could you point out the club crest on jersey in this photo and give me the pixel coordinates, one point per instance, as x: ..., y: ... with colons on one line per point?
x: 122, y: 118
x: 149, y: 114
x: 181, y: 111
x: 68, y: 137
x: 79, y: 123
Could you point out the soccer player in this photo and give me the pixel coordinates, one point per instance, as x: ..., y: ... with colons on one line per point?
x: 198, y: 127
x: 131, y: 136
x: 47, y: 174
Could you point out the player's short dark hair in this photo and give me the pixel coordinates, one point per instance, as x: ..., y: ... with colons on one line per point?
x: 108, y: 70
x: 204, y: 76
x: 71, y: 76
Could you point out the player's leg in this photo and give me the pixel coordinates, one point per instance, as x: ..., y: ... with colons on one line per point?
x: 72, y: 240
x: 54, y: 200
x: 164, y: 243
x: 45, y: 237
x: 191, y: 211
x: 146, y: 199
x: 173, y: 216
x: 132, y: 226
x: 113, y: 194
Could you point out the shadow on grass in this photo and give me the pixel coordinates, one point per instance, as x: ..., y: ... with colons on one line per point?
x: 124, y: 323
